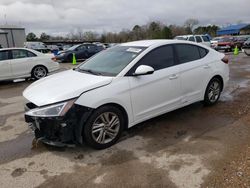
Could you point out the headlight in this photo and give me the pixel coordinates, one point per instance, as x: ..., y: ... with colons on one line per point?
x: 53, y: 110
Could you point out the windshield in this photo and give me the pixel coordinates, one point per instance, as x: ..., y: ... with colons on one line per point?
x: 111, y: 61
x: 73, y: 48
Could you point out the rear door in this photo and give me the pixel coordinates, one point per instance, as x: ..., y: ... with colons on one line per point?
x: 5, y: 67
x: 21, y: 62
x: 159, y: 92
x: 194, y: 71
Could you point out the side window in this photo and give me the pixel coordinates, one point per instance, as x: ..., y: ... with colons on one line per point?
x: 203, y: 52
x: 191, y: 39
x: 80, y: 48
x: 187, y: 53
x: 18, y: 54
x: 4, y: 55
x: 205, y: 38
x: 158, y: 58
x: 31, y: 54
x: 198, y: 39
x: 92, y: 48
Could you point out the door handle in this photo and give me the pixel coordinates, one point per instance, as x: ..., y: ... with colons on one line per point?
x: 174, y: 76
x: 206, y: 66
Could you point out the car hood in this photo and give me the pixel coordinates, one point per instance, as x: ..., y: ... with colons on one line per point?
x: 63, y: 86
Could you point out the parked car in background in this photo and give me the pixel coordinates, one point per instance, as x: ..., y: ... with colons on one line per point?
x: 226, y: 44
x: 38, y: 46
x: 53, y: 49
x: 203, y: 39
x: 214, y: 42
x: 121, y: 87
x: 239, y: 41
x: 60, y: 46
x: 66, y: 47
x: 18, y: 63
x: 246, y: 47
x: 81, y: 51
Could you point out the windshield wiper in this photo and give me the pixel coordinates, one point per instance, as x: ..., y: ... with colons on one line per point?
x: 89, y: 71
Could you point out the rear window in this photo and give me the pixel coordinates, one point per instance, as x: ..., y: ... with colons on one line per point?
x: 187, y: 53
x: 4, y: 55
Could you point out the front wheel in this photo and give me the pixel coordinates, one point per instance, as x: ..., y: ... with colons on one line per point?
x: 213, y: 91
x: 104, y: 127
x: 39, y: 72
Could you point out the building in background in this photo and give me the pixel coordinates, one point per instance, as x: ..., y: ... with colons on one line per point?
x: 12, y: 36
x: 239, y: 29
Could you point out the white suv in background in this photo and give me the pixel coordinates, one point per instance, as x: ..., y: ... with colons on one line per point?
x: 203, y: 39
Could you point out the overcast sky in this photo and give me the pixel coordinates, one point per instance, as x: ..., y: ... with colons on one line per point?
x: 62, y: 16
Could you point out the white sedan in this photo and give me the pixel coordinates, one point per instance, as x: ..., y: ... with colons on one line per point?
x: 18, y: 63
x: 121, y: 87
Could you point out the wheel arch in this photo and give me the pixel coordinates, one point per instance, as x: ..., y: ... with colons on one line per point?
x: 120, y: 107
x: 39, y: 65
x: 220, y: 78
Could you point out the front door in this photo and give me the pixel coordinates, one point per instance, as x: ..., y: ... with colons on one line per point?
x: 155, y: 94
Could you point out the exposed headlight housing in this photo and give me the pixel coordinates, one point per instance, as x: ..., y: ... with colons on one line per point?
x: 55, y: 110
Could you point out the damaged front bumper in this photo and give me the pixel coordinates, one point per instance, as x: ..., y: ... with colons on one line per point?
x: 61, y: 131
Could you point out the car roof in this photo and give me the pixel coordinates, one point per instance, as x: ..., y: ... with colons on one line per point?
x: 14, y: 48
x: 149, y: 43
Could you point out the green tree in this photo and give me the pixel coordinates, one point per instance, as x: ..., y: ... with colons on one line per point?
x: 154, y: 30
x: 189, y: 24
x: 211, y: 30
x: 167, y: 33
x: 31, y: 37
x: 44, y: 37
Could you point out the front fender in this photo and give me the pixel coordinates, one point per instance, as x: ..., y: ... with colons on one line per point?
x: 117, y: 92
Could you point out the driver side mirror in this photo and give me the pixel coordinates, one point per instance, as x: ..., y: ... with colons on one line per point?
x: 143, y: 70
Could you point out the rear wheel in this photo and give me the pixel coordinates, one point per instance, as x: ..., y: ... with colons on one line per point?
x: 213, y: 91
x: 104, y: 127
x: 247, y: 52
x: 39, y: 72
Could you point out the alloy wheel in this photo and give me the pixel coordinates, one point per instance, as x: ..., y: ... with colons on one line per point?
x: 105, y: 128
x: 214, y: 91
x: 40, y: 72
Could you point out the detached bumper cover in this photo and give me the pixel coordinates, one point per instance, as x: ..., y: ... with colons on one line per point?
x: 60, y: 131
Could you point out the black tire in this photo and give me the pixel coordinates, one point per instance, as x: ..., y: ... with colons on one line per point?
x: 248, y: 54
x: 88, y: 134
x: 35, y: 72
x: 210, y: 99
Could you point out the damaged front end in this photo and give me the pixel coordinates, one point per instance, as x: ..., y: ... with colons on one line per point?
x: 59, y: 124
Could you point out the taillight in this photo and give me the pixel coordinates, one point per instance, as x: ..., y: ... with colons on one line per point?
x: 225, y: 59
